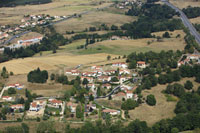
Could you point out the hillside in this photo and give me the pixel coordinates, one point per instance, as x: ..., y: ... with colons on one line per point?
x: 13, y: 3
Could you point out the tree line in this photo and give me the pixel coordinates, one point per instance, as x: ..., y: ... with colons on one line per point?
x: 192, y: 12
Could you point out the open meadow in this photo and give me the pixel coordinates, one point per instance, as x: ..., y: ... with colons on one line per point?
x: 185, y: 3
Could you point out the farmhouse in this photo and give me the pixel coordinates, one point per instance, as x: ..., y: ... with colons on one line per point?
x: 141, y: 64
x: 104, y: 78
x: 34, y: 107
x: 124, y: 71
x: 129, y: 94
x: 73, y: 72
x: 109, y: 72
x: 89, y: 74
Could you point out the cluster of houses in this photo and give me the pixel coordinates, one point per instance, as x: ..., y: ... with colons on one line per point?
x: 126, y: 3
x: 187, y: 59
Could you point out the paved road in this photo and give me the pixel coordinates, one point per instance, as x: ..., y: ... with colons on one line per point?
x: 185, y: 21
x: 64, y: 19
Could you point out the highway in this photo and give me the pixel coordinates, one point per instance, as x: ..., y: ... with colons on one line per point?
x: 61, y: 20
x: 185, y: 21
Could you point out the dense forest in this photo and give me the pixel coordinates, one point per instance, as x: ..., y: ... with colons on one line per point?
x: 13, y: 3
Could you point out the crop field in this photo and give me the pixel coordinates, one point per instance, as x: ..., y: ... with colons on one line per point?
x: 152, y: 114
x: 139, y: 45
x: 93, y: 19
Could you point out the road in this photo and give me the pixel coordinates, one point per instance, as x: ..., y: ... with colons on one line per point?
x: 59, y: 21
x: 185, y: 21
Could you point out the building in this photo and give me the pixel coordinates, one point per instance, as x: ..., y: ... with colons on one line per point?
x: 7, y: 98
x: 56, y: 103
x: 111, y: 111
x: 89, y: 74
x: 17, y: 106
x: 90, y: 79
x: 109, y: 72
x: 72, y: 107
x: 34, y: 107
x: 129, y: 94
x: 73, y: 72
x: 104, y: 78
x: 120, y: 64
x: 124, y: 71
x: 141, y: 64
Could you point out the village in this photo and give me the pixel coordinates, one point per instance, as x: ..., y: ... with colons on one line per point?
x: 114, y: 80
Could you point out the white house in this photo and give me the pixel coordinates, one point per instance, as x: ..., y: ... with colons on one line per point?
x: 104, y: 78
x: 34, y: 107
x: 124, y: 71
x: 141, y: 64
x: 56, y: 103
x: 17, y: 106
x: 73, y: 72
x: 129, y: 94
x: 120, y: 64
x: 72, y: 107
x: 107, y: 86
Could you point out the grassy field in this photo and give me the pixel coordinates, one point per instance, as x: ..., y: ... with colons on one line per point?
x: 139, y: 45
x: 195, y: 20
x: 114, y: 104
x: 152, y: 114
x: 93, y: 19
x: 185, y: 3
x: 52, y: 62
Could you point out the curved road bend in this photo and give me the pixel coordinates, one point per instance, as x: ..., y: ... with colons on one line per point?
x: 185, y: 21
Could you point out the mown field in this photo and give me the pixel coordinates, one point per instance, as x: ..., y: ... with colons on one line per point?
x: 185, y: 3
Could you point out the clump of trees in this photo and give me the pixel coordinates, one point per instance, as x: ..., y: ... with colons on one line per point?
x: 129, y: 104
x: 151, y: 100
x: 192, y: 12
x: 37, y: 76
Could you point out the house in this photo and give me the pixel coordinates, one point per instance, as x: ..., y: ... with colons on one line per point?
x: 193, y: 56
x: 111, y: 111
x: 120, y: 64
x: 7, y: 98
x: 90, y: 79
x: 124, y: 71
x: 89, y: 74
x: 73, y: 72
x: 17, y: 106
x: 123, y: 79
x: 107, y: 86
x: 56, y: 103
x: 109, y: 72
x: 90, y: 107
x: 72, y: 107
x: 129, y: 94
x: 104, y: 78
x: 34, y: 107
x: 141, y: 64
x: 92, y: 86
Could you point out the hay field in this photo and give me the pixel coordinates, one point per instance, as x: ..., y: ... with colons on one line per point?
x: 185, y: 3
x: 93, y: 19
x: 195, y: 20
x: 152, y: 114
x: 52, y: 62
x: 139, y: 45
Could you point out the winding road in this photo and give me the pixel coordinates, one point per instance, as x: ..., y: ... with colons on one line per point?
x: 185, y: 21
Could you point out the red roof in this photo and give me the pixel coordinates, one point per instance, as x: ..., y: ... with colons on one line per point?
x: 34, y: 104
x: 6, y: 97
x: 109, y: 110
x: 120, y: 94
x: 141, y: 62
x: 56, y: 101
x: 130, y: 92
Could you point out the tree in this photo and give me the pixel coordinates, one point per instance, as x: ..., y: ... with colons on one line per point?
x: 166, y: 35
x: 198, y: 91
x: 151, y: 100
x: 98, y: 91
x: 91, y: 98
x: 114, y: 79
x: 27, y: 105
x: 79, y: 113
x: 67, y: 96
x: 108, y: 57
x: 25, y: 128
x: 129, y: 104
x: 37, y: 76
x: 11, y: 91
x: 114, y: 27
x: 132, y: 64
x: 52, y: 76
x: 85, y: 81
x: 188, y: 85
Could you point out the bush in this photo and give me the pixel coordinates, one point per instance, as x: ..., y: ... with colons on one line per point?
x: 11, y: 91
x: 188, y: 85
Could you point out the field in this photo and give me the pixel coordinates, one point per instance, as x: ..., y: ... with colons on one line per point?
x: 152, y: 114
x: 185, y: 3
x: 139, y: 45
x: 21, y: 66
x: 114, y: 104
x: 95, y: 18
x: 195, y: 20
